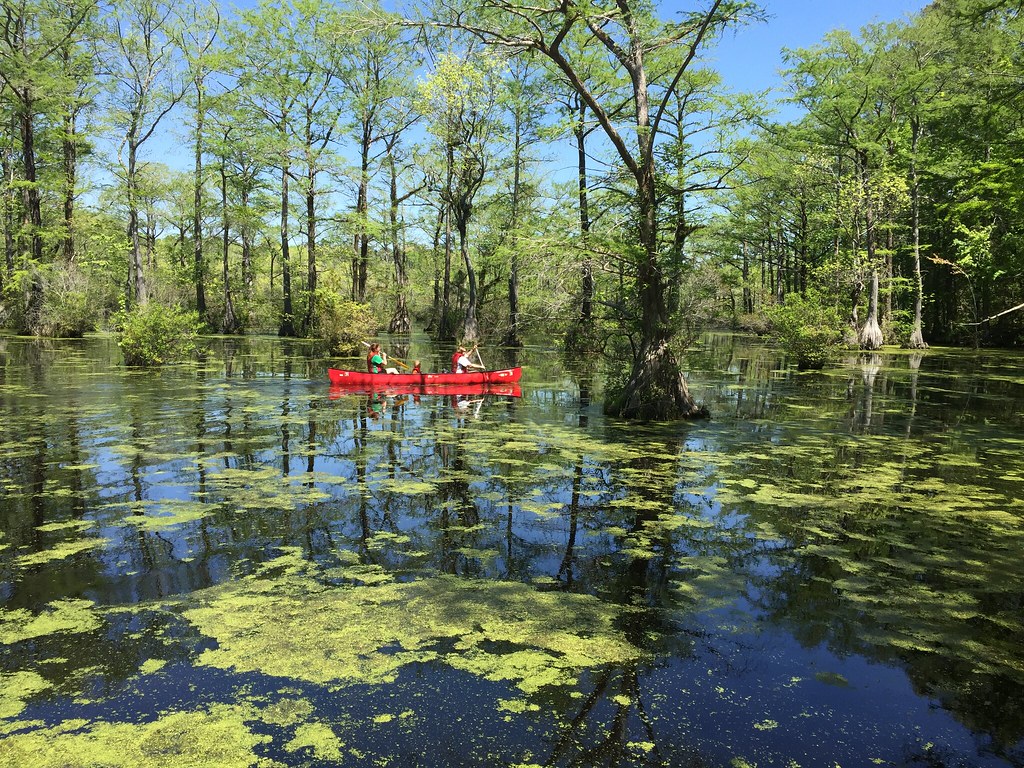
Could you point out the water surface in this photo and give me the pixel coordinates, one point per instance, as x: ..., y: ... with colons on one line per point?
x: 229, y: 563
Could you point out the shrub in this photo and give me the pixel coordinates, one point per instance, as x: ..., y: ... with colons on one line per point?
x: 807, y: 329
x: 71, y: 306
x: 343, y: 324
x: 156, y: 334
x: 757, y: 324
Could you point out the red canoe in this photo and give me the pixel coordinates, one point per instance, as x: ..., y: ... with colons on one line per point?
x: 393, y: 380
x: 445, y: 390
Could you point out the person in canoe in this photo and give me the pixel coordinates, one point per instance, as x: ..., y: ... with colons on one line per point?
x: 462, y: 363
x: 377, y: 361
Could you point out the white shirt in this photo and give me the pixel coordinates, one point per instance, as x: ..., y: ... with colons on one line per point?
x: 463, y: 365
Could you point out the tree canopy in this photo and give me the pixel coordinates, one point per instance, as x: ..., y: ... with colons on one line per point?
x: 496, y: 169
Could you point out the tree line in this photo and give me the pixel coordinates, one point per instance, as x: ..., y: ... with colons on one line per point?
x: 896, y: 197
x: 298, y: 166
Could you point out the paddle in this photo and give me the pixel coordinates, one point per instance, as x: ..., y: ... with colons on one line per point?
x: 400, y: 362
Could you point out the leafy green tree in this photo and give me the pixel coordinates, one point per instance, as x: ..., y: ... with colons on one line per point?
x: 918, y: 73
x: 269, y: 83
x: 145, y: 85
x: 462, y: 98
x: 197, y: 31
x: 37, y: 41
x: 373, y: 69
x: 151, y: 335
x: 525, y: 106
x: 630, y: 34
x: 838, y: 83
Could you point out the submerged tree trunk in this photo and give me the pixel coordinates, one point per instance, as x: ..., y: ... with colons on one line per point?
x: 655, y: 389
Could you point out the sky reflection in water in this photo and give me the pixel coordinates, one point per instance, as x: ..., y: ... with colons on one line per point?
x: 230, y: 562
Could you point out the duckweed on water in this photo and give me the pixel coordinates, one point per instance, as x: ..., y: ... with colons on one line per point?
x: 295, y: 627
x: 61, y: 551
x: 15, y: 688
x: 150, y: 666
x: 213, y: 738
x: 319, y: 739
x: 71, y: 616
x: 896, y: 541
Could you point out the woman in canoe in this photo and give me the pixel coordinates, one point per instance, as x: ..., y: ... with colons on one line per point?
x: 377, y: 362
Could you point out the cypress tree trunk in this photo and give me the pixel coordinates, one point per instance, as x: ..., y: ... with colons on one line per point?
x: 587, y: 302
x: 655, y: 389
x: 870, y: 336
x: 198, y: 264
x: 287, y: 327
x: 400, y: 321
x: 229, y: 324
x: 917, y: 334
x: 137, y: 293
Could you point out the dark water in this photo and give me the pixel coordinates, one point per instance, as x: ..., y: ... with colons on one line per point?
x: 228, y: 563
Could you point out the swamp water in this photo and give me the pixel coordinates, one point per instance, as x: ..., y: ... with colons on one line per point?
x: 229, y: 563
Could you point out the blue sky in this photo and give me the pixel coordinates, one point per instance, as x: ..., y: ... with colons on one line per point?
x: 750, y: 59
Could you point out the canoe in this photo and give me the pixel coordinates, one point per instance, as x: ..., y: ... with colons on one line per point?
x: 390, y: 380
x: 444, y: 390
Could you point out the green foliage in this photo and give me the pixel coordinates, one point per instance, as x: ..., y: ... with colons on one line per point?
x: 807, y: 329
x: 899, y: 327
x: 340, y: 322
x: 754, y: 323
x: 155, y: 334
x: 70, y: 307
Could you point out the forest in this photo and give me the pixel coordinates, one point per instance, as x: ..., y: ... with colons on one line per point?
x: 334, y: 170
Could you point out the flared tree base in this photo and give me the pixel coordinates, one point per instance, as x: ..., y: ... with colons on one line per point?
x: 655, y: 390
x: 400, y: 322
x: 870, y: 336
x: 917, y: 340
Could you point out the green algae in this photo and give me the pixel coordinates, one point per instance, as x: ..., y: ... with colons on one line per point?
x: 287, y: 711
x: 62, y: 551
x: 320, y: 739
x: 295, y: 627
x: 215, y: 738
x: 60, y: 616
x: 15, y: 688
x: 408, y: 487
x: 151, y: 666
x: 76, y: 525
x: 170, y: 513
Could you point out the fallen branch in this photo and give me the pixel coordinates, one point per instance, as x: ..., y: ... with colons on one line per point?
x: 1000, y: 314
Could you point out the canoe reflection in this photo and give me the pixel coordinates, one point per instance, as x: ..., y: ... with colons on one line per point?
x: 444, y: 390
